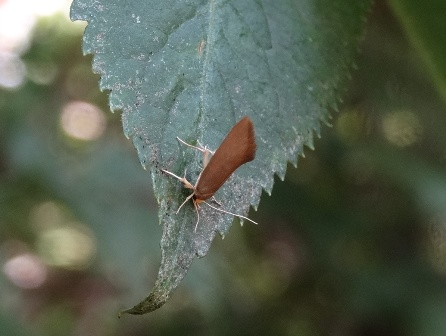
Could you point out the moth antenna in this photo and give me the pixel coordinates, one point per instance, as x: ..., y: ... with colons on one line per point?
x: 199, y: 144
x: 230, y: 213
x: 201, y: 148
x: 205, y: 147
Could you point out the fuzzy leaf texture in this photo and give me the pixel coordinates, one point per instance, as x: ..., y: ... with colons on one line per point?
x: 192, y: 69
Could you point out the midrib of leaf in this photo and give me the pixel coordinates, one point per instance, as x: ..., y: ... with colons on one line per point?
x: 209, y: 43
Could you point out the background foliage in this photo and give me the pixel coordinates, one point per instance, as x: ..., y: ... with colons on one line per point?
x: 352, y: 243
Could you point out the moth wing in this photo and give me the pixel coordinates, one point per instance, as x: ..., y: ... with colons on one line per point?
x: 236, y: 149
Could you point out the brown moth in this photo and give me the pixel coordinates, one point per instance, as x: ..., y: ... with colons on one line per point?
x: 237, y: 148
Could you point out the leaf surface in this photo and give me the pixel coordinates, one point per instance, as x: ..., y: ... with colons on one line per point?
x: 192, y: 69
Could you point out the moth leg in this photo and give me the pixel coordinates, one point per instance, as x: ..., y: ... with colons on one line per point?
x: 198, y: 215
x: 186, y: 183
x: 185, y: 201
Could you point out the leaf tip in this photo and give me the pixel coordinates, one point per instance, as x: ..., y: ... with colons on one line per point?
x: 148, y: 305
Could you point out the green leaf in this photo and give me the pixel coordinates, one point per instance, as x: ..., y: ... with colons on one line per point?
x: 192, y: 69
x: 425, y: 25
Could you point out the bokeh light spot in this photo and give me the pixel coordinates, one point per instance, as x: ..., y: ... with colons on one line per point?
x: 402, y: 128
x: 82, y: 121
x: 18, y: 19
x: 12, y: 70
x: 25, y: 271
x: 71, y: 247
x: 62, y: 242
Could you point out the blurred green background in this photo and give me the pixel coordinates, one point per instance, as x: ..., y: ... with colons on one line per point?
x: 352, y: 243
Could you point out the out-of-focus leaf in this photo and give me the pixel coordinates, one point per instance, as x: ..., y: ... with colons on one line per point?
x: 13, y: 327
x: 425, y: 26
x: 426, y: 183
x: 192, y: 69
